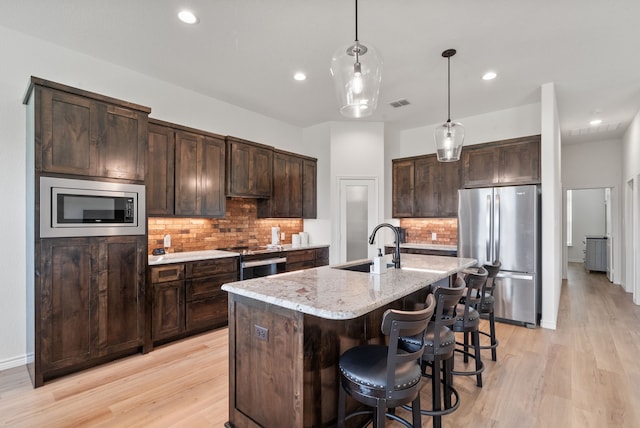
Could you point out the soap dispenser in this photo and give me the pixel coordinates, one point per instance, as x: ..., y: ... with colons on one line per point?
x: 379, y: 263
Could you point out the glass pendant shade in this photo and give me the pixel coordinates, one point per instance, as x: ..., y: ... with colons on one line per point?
x: 357, y: 73
x: 449, y: 139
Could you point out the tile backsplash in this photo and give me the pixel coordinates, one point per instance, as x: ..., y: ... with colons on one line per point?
x: 240, y: 227
x: 419, y: 230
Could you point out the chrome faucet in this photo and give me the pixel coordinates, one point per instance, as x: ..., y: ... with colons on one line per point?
x: 396, y: 255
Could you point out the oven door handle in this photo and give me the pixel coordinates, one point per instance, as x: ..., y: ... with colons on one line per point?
x: 264, y: 262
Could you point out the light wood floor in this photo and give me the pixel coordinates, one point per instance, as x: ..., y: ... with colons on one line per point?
x: 584, y: 374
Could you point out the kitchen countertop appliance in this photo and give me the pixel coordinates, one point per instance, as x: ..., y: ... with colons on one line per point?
x: 257, y: 261
x: 503, y: 223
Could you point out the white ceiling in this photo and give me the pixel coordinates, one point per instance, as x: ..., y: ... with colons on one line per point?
x: 246, y: 51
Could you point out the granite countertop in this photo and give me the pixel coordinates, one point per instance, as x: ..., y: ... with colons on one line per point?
x: 338, y: 294
x: 425, y: 246
x: 189, y: 256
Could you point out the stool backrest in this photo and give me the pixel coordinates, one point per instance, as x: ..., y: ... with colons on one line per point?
x: 490, y: 284
x: 397, y: 323
x: 447, y: 299
x: 475, y: 279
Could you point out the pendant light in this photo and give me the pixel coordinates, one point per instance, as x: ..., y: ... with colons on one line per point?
x: 357, y: 72
x: 450, y: 135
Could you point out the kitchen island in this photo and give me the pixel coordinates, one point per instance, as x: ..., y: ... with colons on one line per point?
x: 287, y: 332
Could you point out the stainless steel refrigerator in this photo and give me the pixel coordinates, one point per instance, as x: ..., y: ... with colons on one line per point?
x: 503, y: 223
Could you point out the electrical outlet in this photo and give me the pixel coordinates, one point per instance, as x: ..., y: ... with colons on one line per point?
x: 282, y: 236
x: 167, y: 241
x: 434, y: 236
x: 262, y: 333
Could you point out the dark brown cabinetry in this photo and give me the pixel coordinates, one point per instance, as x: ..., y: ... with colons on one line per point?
x: 294, y: 187
x: 507, y: 162
x: 188, y: 297
x: 83, y: 133
x: 185, y: 176
x: 307, y: 258
x: 249, y: 169
x: 424, y: 187
x: 90, y: 303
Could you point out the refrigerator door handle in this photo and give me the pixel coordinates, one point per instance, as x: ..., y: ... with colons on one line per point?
x: 488, y: 217
x: 514, y: 275
x: 496, y: 232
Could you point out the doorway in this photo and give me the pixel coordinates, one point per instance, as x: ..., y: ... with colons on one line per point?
x: 358, y: 216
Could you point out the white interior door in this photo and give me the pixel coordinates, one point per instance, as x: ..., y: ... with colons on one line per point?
x: 358, y: 217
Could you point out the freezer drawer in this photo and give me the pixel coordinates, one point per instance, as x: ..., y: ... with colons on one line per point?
x: 516, y: 297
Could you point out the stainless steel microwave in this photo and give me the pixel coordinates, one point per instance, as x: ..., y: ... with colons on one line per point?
x: 73, y: 207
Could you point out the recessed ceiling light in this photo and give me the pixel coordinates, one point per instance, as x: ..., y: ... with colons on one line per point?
x: 595, y: 122
x: 300, y: 76
x: 187, y: 17
x: 490, y: 75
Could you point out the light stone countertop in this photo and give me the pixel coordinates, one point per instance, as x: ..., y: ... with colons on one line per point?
x: 189, y: 256
x: 339, y: 294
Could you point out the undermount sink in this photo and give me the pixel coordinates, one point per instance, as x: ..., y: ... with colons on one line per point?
x: 359, y: 267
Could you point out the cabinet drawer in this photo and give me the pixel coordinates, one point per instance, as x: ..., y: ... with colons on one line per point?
x: 167, y: 273
x: 302, y: 255
x: 306, y: 264
x: 208, y: 287
x: 207, y: 312
x: 210, y: 267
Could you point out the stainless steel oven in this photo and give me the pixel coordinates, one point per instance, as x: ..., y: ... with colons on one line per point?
x: 74, y: 207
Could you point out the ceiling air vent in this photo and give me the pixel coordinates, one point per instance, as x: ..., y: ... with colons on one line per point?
x: 399, y: 103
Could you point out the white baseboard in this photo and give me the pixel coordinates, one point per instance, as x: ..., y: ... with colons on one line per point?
x: 13, y: 362
x: 548, y: 325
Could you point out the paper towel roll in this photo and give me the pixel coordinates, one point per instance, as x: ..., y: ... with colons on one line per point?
x: 295, y: 240
x: 304, y: 239
x: 275, y: 235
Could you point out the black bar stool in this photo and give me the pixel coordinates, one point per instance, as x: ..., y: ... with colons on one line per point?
x: 468, y: 323
x: 440, y: 344
x: 486, y: 306
x: 386, y: 377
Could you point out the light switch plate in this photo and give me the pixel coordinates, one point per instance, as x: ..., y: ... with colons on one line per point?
x: 434, y: 236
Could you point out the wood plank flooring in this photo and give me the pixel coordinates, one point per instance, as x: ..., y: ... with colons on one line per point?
x: 584, y: 374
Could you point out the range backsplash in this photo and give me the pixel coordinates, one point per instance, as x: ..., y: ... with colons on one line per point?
x: 419, y: 230
x: 240, y: 227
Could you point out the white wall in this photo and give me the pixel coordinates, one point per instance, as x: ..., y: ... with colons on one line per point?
x: 588, y: 218
x: 596, y: 164
x: 631, y: 225
x: 24, y: 56
x: 552, y: 230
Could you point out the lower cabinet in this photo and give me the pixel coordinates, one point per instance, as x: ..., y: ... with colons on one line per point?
x: 307, y: 258
x: 187, y: 297
x: 89, y: 304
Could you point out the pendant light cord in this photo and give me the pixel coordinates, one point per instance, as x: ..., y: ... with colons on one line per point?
x: 356, y: 20
x: 448, y: 89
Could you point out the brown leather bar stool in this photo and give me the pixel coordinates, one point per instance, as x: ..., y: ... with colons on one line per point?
x: 486, y: 306
x: 468, y: 323
x: 386, y: 377
x: 440, y: 344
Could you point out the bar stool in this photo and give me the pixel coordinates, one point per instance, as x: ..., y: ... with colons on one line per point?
x: 468, y: 322
x: 438, y: 353
x: 386, y: 377
x: 486, y: 306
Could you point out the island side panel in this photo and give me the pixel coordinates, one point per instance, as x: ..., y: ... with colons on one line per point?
x: 266, y: 366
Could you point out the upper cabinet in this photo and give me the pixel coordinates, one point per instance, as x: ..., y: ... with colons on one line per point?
x: 82, y: 133
x: 185, y: 174
x: 249, y: 169
x: 506, y: 162
x: 424, y: 187
x: 294, y: 187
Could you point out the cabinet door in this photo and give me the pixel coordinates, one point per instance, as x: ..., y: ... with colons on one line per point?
x: 68, y: 139
x: 159, y: 180
x: 480, y: 166
x: 426, y: 194
x: 122, y: 142
x: 309, y: 189
x: 187, y: 174
x: 168, y: 310
x: 286, y: 200
x: 121, y: 286
x: 520, y: 163
x: 449, y: 183
x: 249, y: 169
x: 403, y: 188
x: 211, y: 182
x: 322, y: 256
x: 68, y: 315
